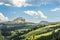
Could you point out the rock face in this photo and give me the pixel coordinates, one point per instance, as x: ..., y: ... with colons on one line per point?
x: 19, y: 20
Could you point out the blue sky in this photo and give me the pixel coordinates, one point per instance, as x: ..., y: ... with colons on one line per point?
x: 31, y: 10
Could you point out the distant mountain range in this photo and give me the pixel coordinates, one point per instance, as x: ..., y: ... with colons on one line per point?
x: 44, y: 22
x: 17, y: 20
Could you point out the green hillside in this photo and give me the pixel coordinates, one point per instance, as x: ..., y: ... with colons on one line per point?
x: 30, y: 31
x: 44, y: 31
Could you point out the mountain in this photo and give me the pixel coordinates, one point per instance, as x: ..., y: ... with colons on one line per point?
x: 29, y: 31
x: 19, y: 20
x: 44, y: 22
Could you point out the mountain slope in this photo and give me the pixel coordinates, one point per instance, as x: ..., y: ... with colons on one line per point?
x: 44, y: 31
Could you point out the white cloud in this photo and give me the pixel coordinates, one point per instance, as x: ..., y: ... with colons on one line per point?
x: 36, y: 14
x: 42, y: 15
x: 1, y: 3
x: 31, y: 13
x: 27, y: 4
x: 3, y: 18
x: 16, y: 3
x: 7, y: 4
x: 19, y: 3
x: 56, y: 9
x: 44, y: 2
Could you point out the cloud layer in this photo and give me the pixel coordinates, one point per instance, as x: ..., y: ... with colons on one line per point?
x: 3, y: 18
x: 44, y: 2
x: 36, y: 14
x: 56, y: 9
x: 17, y: 3
x: 42, y: 15
x: 20, y: 3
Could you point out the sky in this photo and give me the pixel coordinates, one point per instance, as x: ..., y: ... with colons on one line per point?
x: 31, y: 10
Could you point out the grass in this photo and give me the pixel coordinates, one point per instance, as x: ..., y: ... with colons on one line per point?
x: 40, y: 30
x: 46, y: 34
